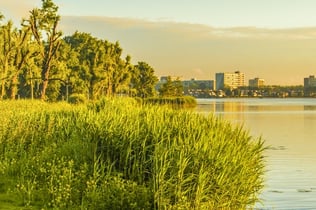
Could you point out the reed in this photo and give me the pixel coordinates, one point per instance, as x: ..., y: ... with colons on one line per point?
x: 174, y: 102
x: 118, y: 154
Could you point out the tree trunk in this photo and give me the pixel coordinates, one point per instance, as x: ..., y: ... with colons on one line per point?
x: 2, y: 87
x: 52, y: 49
x: 109, y: 89
x: 45, y: 76
x: 14, y: 88
x: 3, y: 79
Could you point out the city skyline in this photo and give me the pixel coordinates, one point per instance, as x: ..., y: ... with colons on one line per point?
x: 267, y: 39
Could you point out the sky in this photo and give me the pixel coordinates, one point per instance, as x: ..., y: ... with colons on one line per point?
x: 270, y: 39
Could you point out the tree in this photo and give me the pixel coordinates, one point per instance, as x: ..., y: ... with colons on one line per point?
x: 100, y: 69
x: 23, y: 52
x: 42, y: 22
x: 171, y: 88
x: 116, y: 69
x: 178, y: 87
x: 61, y: 79
x: 80, y: 63
x: 6, y: 54
x: 16, y: 54
x: 92, y: 60
x: 36, y: 55
x: 144, y: 80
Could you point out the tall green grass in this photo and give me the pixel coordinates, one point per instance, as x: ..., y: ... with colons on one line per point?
x: 118, y: 154
x: 174, y: 102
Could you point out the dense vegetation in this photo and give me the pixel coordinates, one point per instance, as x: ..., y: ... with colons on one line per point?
x: 109, y: 153
x: 36, y: 61
x: 174, y: 102
x: 119, y: 154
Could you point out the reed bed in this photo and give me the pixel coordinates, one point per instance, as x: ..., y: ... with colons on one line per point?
x: 118, y: 154
x: 173, y: 102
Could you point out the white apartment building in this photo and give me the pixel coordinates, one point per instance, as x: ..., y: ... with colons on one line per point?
x: 229, y: 80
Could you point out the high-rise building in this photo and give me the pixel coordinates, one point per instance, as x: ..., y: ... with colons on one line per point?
x: 310, y: 82
x: 256, y: 83
x: 229, y: 80
x: 310, y: 86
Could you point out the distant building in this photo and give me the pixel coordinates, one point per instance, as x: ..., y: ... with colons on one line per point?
x: 173, y: 78
x: 256, y: 83
x: 199, y: 84
x: 230, y: 80
x: 310, y: 82
x: 310, y: 86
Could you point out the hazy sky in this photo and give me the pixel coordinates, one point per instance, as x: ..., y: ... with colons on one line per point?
x: 271, y: 39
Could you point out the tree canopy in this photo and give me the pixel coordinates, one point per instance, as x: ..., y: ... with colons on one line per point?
x: 37, y: 61
x: 171, y: 88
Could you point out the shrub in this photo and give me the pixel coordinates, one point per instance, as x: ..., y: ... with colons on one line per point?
x: 77, y: 99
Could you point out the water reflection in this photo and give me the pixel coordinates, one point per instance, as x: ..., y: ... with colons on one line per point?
x: 288, y: 126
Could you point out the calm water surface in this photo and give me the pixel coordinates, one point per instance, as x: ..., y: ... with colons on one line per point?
x: 289, y: 127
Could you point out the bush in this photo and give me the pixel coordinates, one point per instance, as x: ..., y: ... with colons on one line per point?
x: 77, y: 99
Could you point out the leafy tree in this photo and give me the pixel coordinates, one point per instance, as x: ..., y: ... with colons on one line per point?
x: 36, y: 55
x: 14, y: 53
x: 17, y: 54
x: 167, y: 88
x: 101, y: 70
x: 171, y: 88
x: 6, y: 54
x: 62, y: 73
x: 144, y: 80
x: 79, y: 63
x: 117, y: 70
x: 30, y: 75
x: 92, y: 58
x: 23, y: 54
x: 178, y: 87
x: 45, y: 21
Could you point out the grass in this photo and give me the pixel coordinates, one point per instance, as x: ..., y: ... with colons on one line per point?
x: 118, y: 154
x: 174, y: 102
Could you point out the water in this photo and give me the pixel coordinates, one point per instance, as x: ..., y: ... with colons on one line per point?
x: 289, y: 127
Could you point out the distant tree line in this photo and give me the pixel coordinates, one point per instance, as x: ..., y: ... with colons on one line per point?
x: 36, y: 61
x: 171, y: 88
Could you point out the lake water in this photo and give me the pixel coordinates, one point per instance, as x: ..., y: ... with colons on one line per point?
x: 289, y: 127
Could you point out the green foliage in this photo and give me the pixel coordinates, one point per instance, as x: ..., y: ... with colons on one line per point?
x: 175, y: 102
x: 77, y: 99
x: 45, y: 20
x: 144, y: 80
x: 35, y: 62
x: 114, y: 192
x: 118, y: 154
x: 171, y: 88
x: 16, y: 52
x: 99, y: 67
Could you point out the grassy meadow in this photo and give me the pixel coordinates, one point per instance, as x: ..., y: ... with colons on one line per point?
x: 119, y: 154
